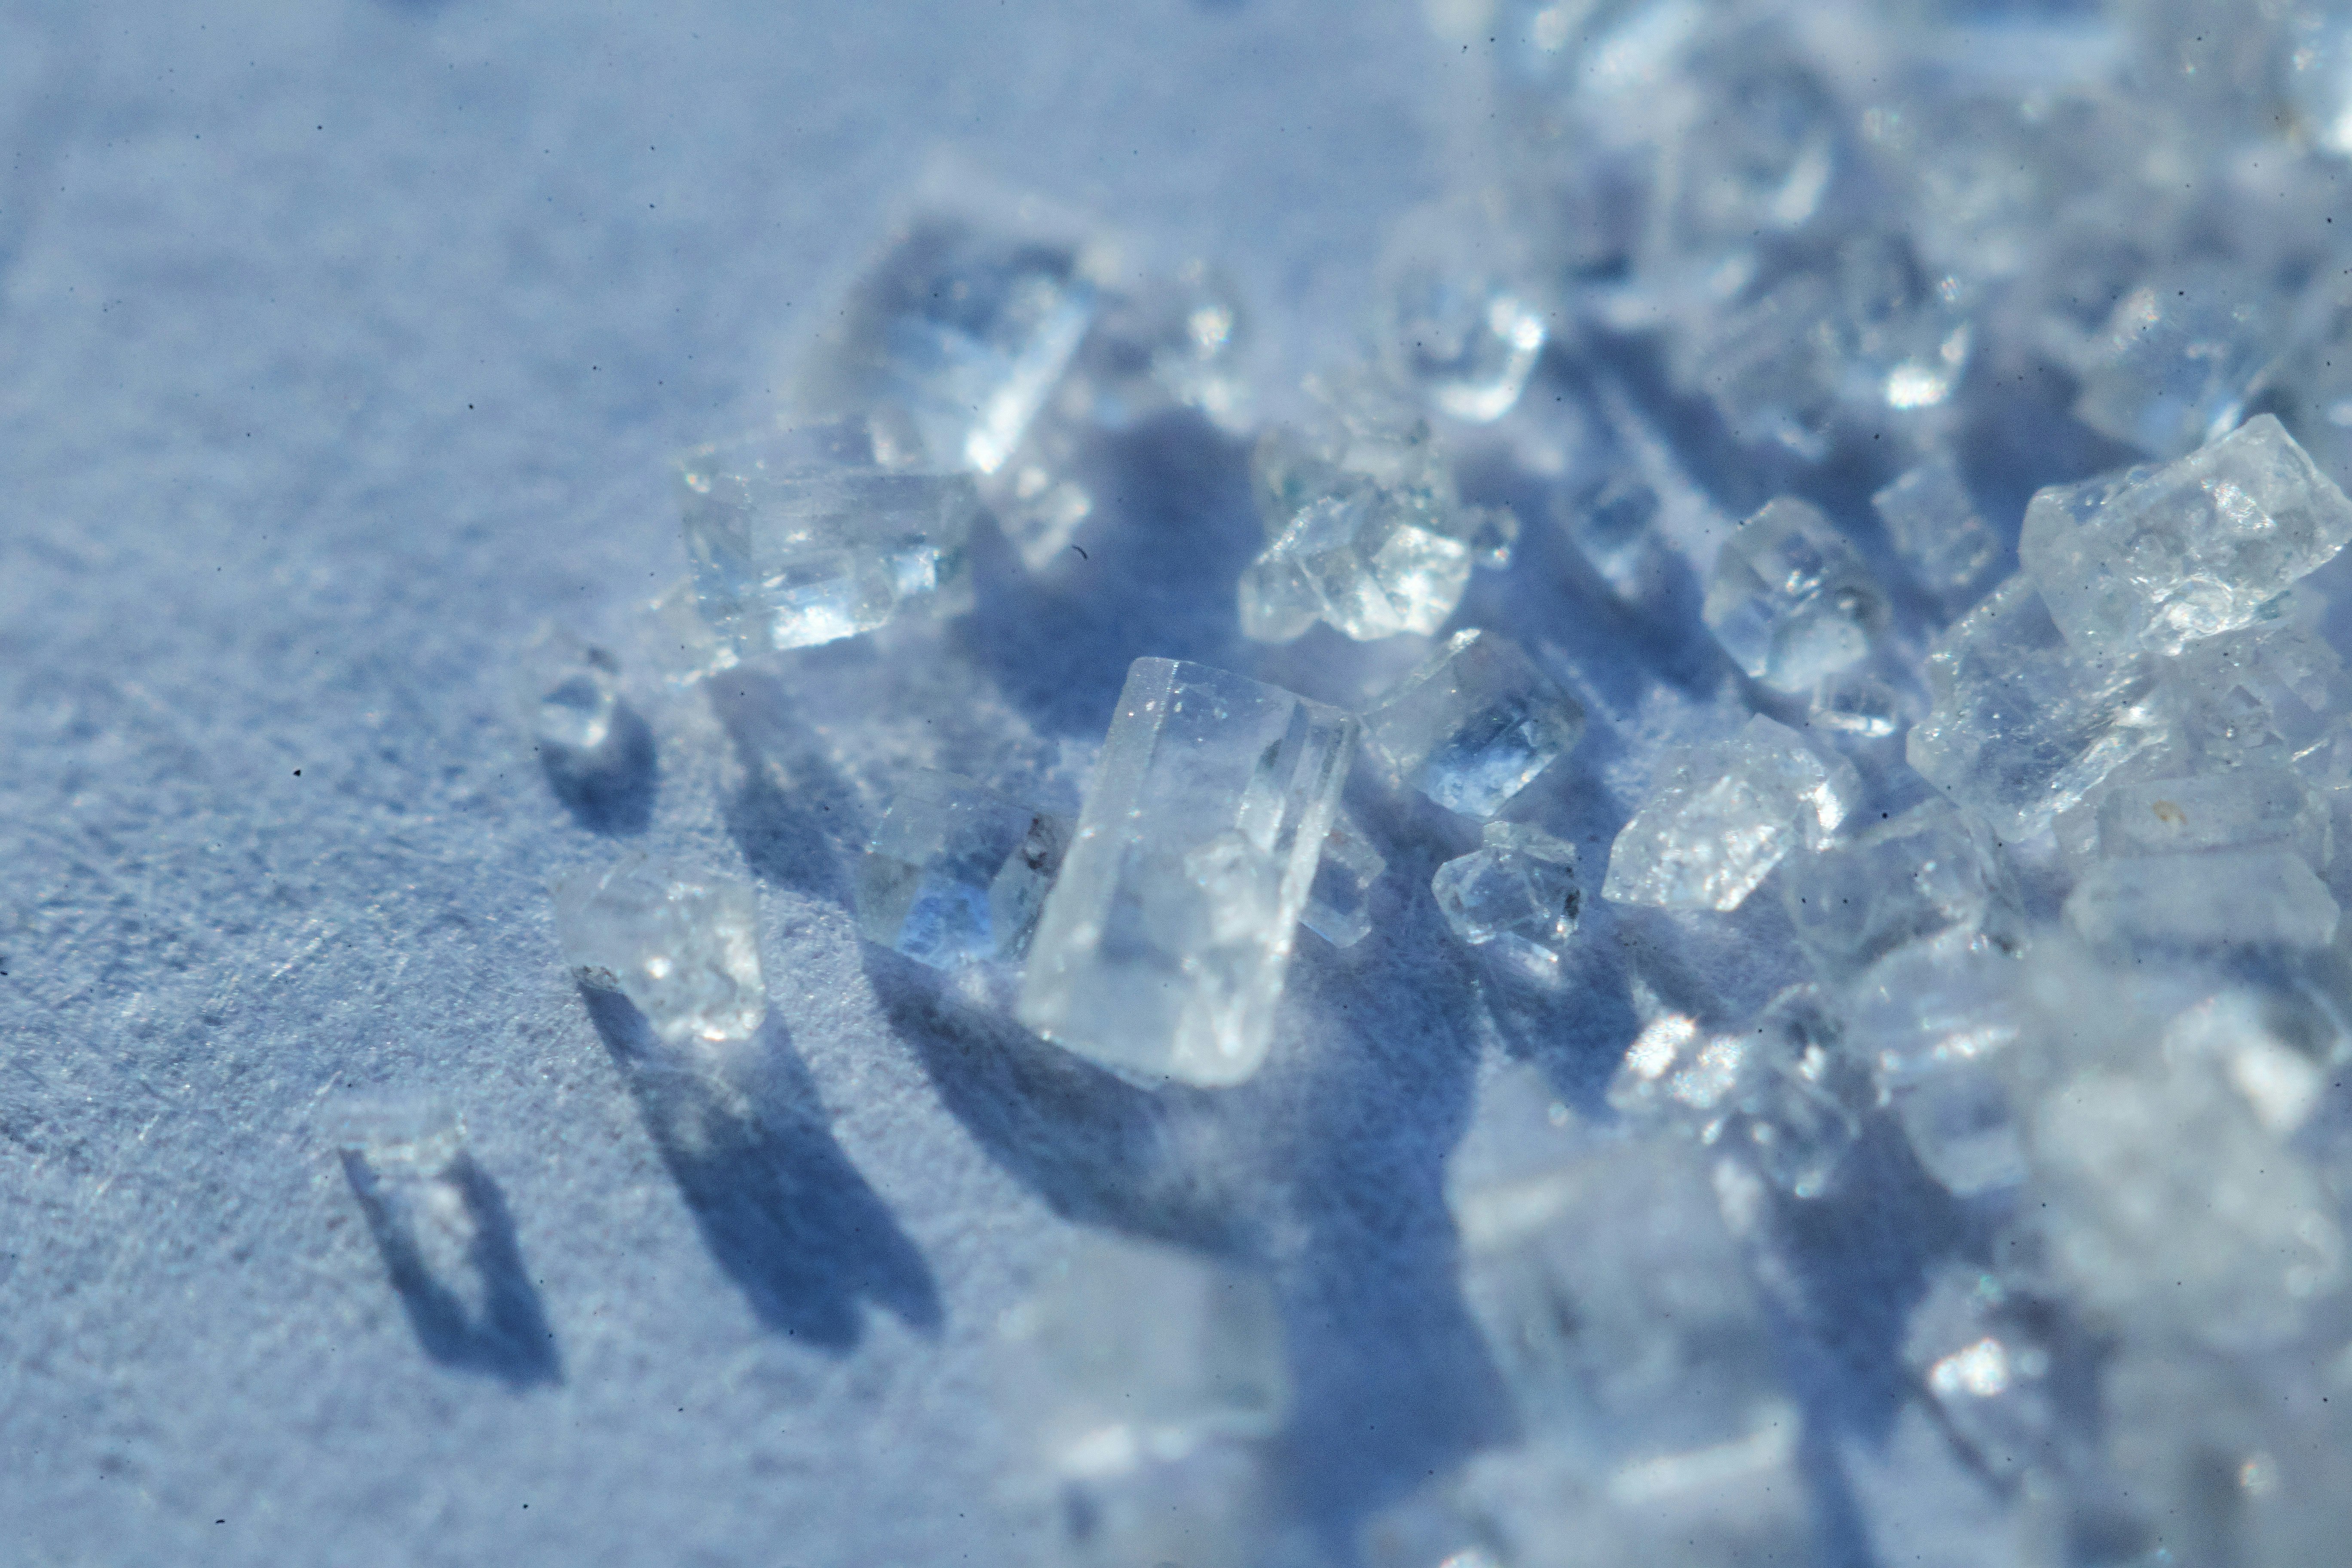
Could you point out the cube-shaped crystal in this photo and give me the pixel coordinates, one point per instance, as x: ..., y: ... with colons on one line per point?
x: 1474, y: 723
x: 1919, y: 875
x: 1933, y: 522
x: 1515, y: 897
x: 1164, y: 944
x: 956, y: 873
x: 2022, y: 728
x: 2236, y: 898
x: 1338, y: 901
x: 2160, y: 557
x: 683, y: 947
x: 808, y: 535
x: 1721, y: 816
x: 2179, y: 359
x: 1789, y: 600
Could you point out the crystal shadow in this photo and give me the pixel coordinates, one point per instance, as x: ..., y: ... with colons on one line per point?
x: 783, y: 1212
x: 504, y: 1332
x: 794, y: 814
x: 611, y: 790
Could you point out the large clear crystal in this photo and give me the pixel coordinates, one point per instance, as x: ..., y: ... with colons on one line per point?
x: 2023, y: 728
x: 1933, y: 522
x: 956, y: 873
x: 2179, y: 360
x: 1514, y: 896
x: 1338, y: 901
x: 1163, y: 945
x: 813, y: 534
x: 683, y: 947
x: 2252, y: 898
x: 1928, y: 872
x: 1789, y: 600
x: 2159, y: 557
x: 1474, y: 724
x: 1723, y: 815
x: 1457, y: 320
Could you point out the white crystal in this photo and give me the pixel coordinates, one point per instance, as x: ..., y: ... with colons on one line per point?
x: 1455, y: 320
x: 1474, y: 724
x: 1338, y: 901
x: 2179, y: 359
x: 2159, y: 557
x: 813, y: 534
x: 683, y: 947
x: 1721, y: 818
x: 1163, y: 945
x: 1789, y: 600
x: 2022, y: 728
x: 956, y: 873
x: 568, y: 692
x: 2227, y: 898
x: 1916, y: 875
x: 1515, y: 897
x: 1932, y: 521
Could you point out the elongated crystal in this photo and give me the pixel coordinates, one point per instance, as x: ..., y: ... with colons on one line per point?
x: 1163, y: 947
x: 1474, y: 723
x: 1338, y: 901
x: 2225, y: 899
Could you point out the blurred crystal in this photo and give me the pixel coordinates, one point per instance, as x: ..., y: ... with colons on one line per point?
x: 684, y: 947
x: 2271, y: 691
x: 2243, y: 808
x: 1856, y: 703
x: 1164, y: 944
x: 2276, y: 1054
x: 1456, y: 321
x: 1938, y: 1021
x: 966, y: 332
x: 1722, y: 816
x: 2179, y: 358
x: 1905, y: 879
x: 2251, y: 898
x: 568, y: 691
x: 2319, y: 82
x: 2023, y: 728
x: 1789, y: 600
x: 1970, y: 1346
x: 1515, y: 897
x: 1614, y: 527
x: 407, y: 1162
x: 1933, y: 524
x: 1474, y: 724
x: 683, y: 645
x: 956, y: 873
x: 813, y: 534
x: 1168, y: 343
x: 1339, y: 902
x: 1756, y: 155
x: 2159, y: 557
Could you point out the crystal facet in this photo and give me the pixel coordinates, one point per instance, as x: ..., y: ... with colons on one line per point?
x: 1515, y: 897
x: 408, y: 1164
x: 1719, y: 819
x: 809, y: 535
x: 1789, y: 600
x: 1474, y: 724
x: 685, y: 949
x: 1918, y: 876
x: 1455, y: 321
x: 1164, y: 944
x: 2227, y: 898
x: 956, y: 872
x: 2179, y: 359
x: 1339, y: 902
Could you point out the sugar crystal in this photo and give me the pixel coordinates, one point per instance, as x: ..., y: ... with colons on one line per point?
x: 1719, y: 819
x: 1515, y: 897
x: 956, y: 873
x: 1789, y: 600
x: 683, y: 947
x: 1474, y: 724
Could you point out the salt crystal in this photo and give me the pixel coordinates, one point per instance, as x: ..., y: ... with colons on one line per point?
x: 1721, y: 818
x: 1474, y: 723
x: 1338, y: 903
x: 1516, y: 897
x: 2180, y: 356
x: 1789, y: 600
x: 956, y: 873
x: 568, y: 692
x: 1915, y: 877
x: 2251, y: 898
x: 1932, y: 521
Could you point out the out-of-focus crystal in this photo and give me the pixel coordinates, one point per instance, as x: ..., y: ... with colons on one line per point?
x: 2242, y: 809
x: 1164, y: 944
x: 956, y: 873
x: 2276, y: 1054
x: 683, y: 647
x: 1789, y: 600
x: 1456, y: 319
x: 1474, y: 724
x: 1338, y: 901
x: 2159, y: 557
x: 1168, y: 343
x: 568, y: 692
x: 1514, y: 896
x: 1858, y: 704
x: 1938, y: 1020
x: 808, y: 535
x: 2179, y: 360
x: 1933, y: 522
x: 2250, y: 898
x: 2022, y: 728
x: 683, y: 947
x: 1721, y: 818
x: 1970, y: 1349
x: 407, y: 1162
x: 1918, y: 876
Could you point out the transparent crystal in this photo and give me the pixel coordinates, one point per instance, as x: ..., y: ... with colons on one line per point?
x: 1164, y: 944
x: 1456, y: 321
x: 1041, y: 494
x: 1856, y: 704
x: 1971, y: 1347
x: 1614, y: 528
x: 2159, y: 557
x: 1915, y: 877
x: 1171, y: 342
x: 2180, y: 356
x: 2228, y: 898
x: 682, y: 643
x: 1723, y: 815
x: 407, y: 1162
x: 2274, y: 1047
x: 809, y: 535
x: 1782, y: 1092
x: 683, y: 947
x: 2021, y: 728
x: 1474, y: 724
x: 1516, y: 897
x: 567, y: 691
x: 2319, y: 81
x: 965, y: 330
x: 2245, y: 697
x: 1933, y: 522
x: 2240, y: 809
x: 1936, y: 1020
x: 1789, y: 600
x: 1755, y: 157
x: 956, y: 873
x: 1338, y: 901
